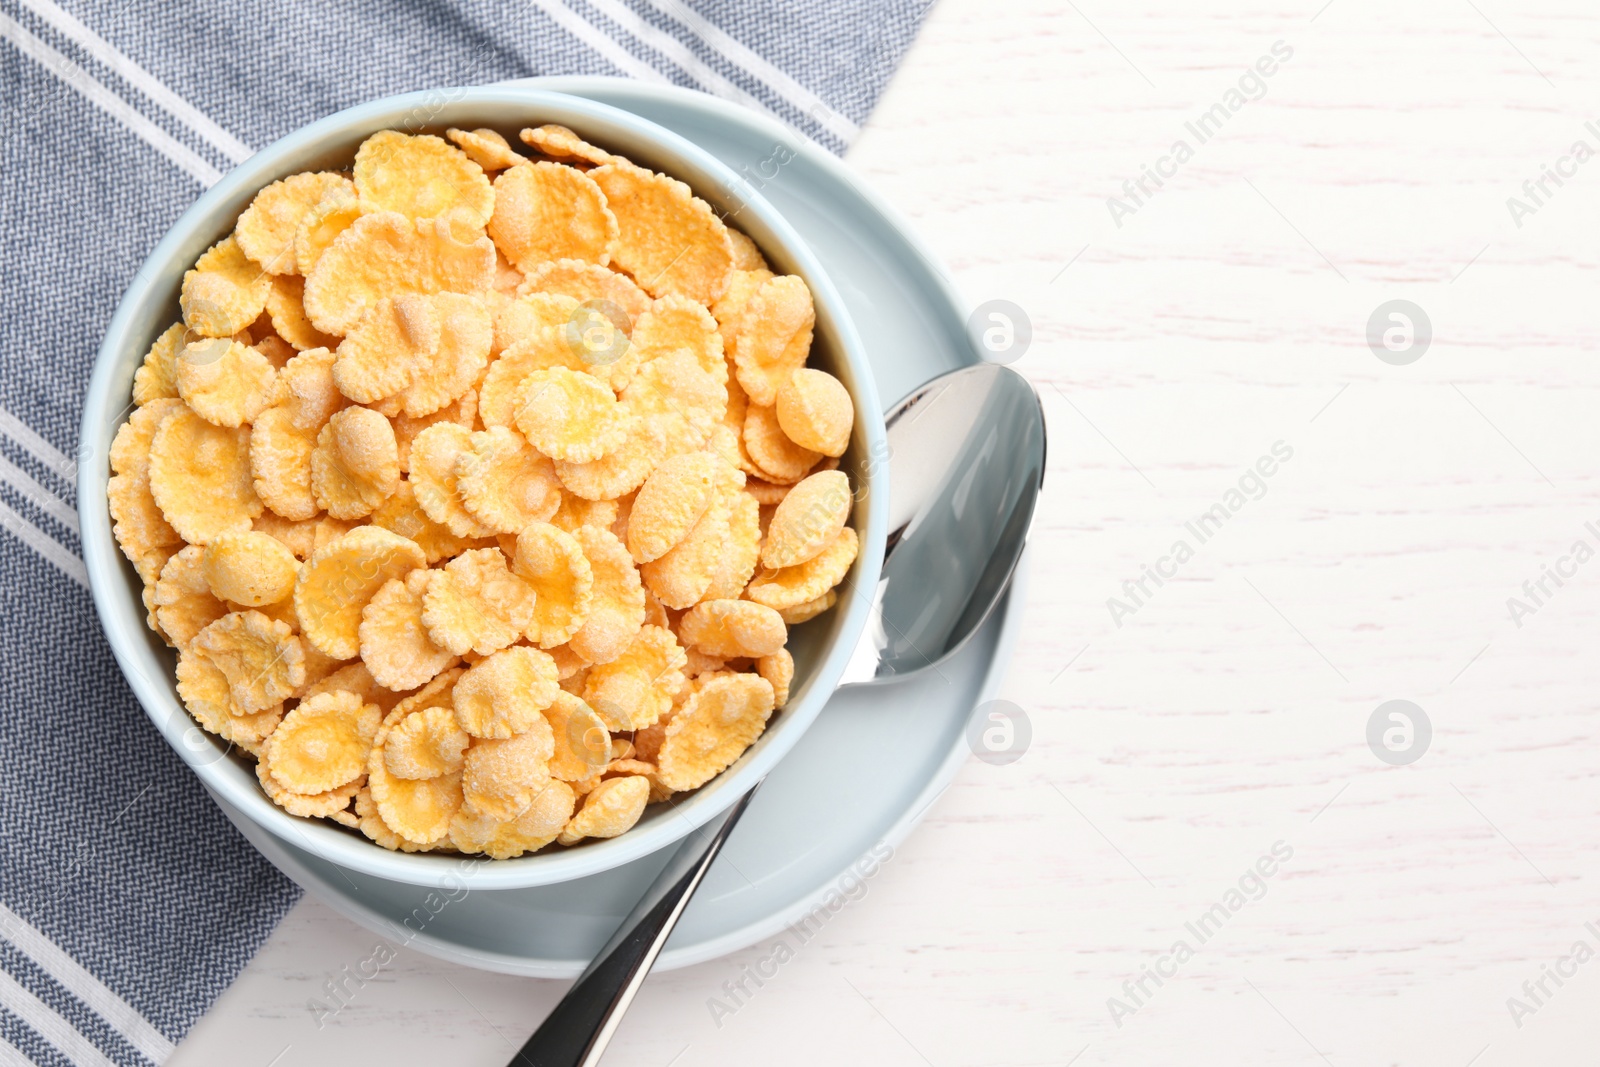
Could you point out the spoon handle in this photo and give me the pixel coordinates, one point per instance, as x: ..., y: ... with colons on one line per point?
x: 576, y: 1033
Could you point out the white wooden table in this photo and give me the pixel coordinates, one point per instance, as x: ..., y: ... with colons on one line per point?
x: 1229, y: 710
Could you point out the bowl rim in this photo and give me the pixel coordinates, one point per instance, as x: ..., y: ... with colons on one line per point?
x: 114, y: 596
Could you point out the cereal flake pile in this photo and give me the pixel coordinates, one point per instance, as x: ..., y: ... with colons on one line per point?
x: 477, y: 492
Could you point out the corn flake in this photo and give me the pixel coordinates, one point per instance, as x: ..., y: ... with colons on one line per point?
x: 746, y: 256
x: 466, y: 331
x: 570, y: 416
x: 323, y: 743
x: 611, y: 809
x: 505, y: 484
x: 552, y: 562
x: 425, y: 743
x: 355, y: 466
x: 140, y: 527
x: 547, y: 211
x: 733, y: 628
x: 808, y: 519
x: 463, y: 412
x: 535, y: 828
x: 404, y: 515
x: 421, y: 177
x: 386, y: 254
x: 394, y: 644
x: 776, y: 457
x: 287, y: 313
x: 339, y: 579
x: 224, y: 382
x: 225, y: 291
x: 721, y: 719
x: 486, y: 148
x: 415, y: 810
x: 434, y: 454
x: 157, y: 376
x: 583, y: 282
x: 790, y: 587
x: 391, y: 343
x: 561, y: 143
x: 200, y: 477
x: 249, y: 568
x: 184, y: 603
x: 261, y: 658
x: 669, y: 503
x: 280, y: 463
x: 616, y: 610
x: 681, y: 577
x: 668, y: 239
x: 503, y: 775
x: 266, y: 230
x: 333, y: 215
x: 306, y: 805
x: 476, y: 604
x: 636, y: 689
x: 516, y: 320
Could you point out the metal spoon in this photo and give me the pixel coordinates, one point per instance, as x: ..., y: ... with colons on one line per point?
x: 966, y: 463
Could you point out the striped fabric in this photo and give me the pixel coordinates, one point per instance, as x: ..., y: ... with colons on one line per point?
x: 127, y: 902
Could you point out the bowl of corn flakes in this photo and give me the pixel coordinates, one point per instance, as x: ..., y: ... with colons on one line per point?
x: 484, y: 474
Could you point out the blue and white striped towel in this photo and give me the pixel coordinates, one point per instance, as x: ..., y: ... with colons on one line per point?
x: 127, y: 901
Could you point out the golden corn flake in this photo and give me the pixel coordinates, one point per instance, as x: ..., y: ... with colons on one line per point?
x: 584, y: 282
x: 505, y: 484
x: 516, y: 320
x: 404, y: 515
x: 766, y: 494
x: 417, y: 810
x: 611, y: 809
x: 386, y: 254
x: 582, y: 742
x: 504, y: 695
x: 551, y: 561
x: 681, y: 577
x: 425, y: 744
x: 278, y: 352
x: 720, y: 720
x: 730, y: 308
x: 434, y: 455
x: 733, y: 628
x: 503, y: 775
x: 421, y: 177
x: 394, y: 643
x: 546, y: 211
x: 323, y: 742
x: 476, y: 604
x: 463, y: 412
x: 669, y: 503
x: 486, y: 148
x: 337, y: 581
x: 356, y: 465
x: 333, y: 215
x: 140, y: 527
x: 266, y: 230
x: 394, y: 339
x: 778, y: 458
x: 746, y: 256
x: 576, y: 511
x: 465, y: 333
x: 668, y: 239
x: 157, y: 376
x: 184, y: 603
x: 225, y: 291
x: 621, y: 471
x: 306, y: 805
x: 635, y: 689
x: 570, y: 416
x: 535, y: 828
x: 792, y: 586
x: 224, y: 382
x: 200, y: 477
x: 261, y: 658
x: 286, y: 307
x: 778, y: 670
x: 308, y: 388
x: 280, y: 463
x: 814, y: 411
x: 674, y: 385
x: 808, y: 520
x: 675, y: 322
x: 737, y: 564
x: 561, y: 143
x: 616, y: 609
x: 249, y: 568
x: 774, y: 337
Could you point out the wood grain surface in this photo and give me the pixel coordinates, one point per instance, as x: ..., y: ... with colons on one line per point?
x: 1181, y: 737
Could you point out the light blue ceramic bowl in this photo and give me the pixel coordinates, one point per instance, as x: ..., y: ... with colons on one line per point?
x: 821, y: 647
